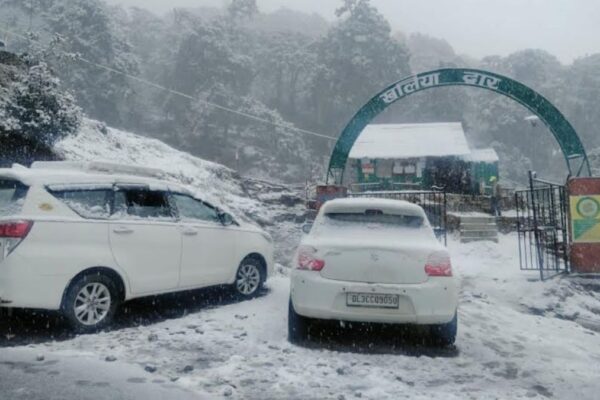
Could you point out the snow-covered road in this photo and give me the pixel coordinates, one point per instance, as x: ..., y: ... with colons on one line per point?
x: 518, y: 338
x: 25, y: 375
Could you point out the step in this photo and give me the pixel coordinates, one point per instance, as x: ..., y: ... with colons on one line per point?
x: 466, y: 240
x: 476, y: 234
x: 479, y: 234
x: 479, y: 226
x: 478, y: 220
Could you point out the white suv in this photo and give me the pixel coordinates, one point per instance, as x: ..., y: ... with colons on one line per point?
x: 84, y: 237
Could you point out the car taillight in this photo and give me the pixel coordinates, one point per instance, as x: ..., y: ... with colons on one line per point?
x: 438, y: 264
x: 307, y: 259
x: 15, y: 229
x: 13, y: 233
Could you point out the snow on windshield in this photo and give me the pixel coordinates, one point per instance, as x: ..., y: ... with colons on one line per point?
x: 87, y: 203
x: 372, y: 227
x: 377, y: 217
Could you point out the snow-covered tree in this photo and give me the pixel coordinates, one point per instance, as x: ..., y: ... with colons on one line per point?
x: 242, y: 9
x: 35, y: 111
x: 285, y: 63
x: 89, y: 32
x: 356, y: 58
x: 37, y: 108
x: 581, y: 91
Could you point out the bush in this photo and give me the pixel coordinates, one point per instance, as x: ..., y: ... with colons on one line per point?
x: 34, y: 107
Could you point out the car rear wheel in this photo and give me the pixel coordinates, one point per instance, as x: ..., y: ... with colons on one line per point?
x: 249, y: 278
x: 298, y: 326
x: 91, y: 302
x: 445, y: 334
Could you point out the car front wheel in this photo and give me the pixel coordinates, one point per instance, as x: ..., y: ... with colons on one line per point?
x: 91, y: 302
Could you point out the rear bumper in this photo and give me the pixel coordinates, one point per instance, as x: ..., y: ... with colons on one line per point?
x: 431, y: 302
x: 22, y: 287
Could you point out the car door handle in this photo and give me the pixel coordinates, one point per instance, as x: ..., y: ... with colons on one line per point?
x: 122, y: 229
x: 189, y: 232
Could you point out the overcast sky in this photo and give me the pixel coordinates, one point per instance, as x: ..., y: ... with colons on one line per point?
x: 566, y: 28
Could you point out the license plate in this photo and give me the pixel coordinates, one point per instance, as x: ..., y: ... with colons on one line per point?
x: 375, y: 300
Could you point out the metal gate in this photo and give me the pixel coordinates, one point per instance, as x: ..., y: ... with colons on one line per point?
x: 434, y: 203
x: 542, y: 227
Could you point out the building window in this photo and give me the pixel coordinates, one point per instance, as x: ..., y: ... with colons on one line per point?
x: 407, y: 169
x: 367, y: 167
x: 384, y: 168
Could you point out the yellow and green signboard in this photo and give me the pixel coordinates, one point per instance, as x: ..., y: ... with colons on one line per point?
x: 585, y: 218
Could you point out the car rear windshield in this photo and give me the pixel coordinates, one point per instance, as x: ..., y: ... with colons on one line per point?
x: 12, y: 197
x: 377, y: 217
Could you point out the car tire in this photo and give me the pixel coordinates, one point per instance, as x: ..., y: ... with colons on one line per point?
x: 445, y: 334
x: 298, y: 326
x: 91, y: 302
x: 249, y: 279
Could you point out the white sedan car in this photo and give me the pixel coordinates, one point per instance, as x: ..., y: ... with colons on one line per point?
x: 373, y: 260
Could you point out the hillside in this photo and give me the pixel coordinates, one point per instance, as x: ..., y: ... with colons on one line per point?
x: 278, y: 209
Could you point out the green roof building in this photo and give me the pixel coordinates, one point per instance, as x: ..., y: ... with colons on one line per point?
x: 419, y: 156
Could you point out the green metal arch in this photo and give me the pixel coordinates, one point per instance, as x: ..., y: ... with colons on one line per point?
x: 563, y: 131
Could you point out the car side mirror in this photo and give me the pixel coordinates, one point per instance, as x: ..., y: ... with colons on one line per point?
x: 226, y: 219
x: 306, y: 228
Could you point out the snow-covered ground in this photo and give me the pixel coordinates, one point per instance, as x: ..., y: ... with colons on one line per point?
x: 518, y: 338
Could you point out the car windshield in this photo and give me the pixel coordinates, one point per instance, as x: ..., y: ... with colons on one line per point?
x: 12, y: 197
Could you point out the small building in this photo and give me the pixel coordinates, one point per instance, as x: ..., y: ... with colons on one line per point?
x: 419, y: 156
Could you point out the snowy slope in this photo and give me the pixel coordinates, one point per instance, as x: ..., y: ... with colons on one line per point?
x: 211, y: 181
x: 259, y: 202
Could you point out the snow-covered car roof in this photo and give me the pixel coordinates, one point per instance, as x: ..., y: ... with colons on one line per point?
x: 69, y: 173
x: 358, y: 205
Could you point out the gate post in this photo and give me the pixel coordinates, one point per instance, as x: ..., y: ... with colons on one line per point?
x: 584, y: 224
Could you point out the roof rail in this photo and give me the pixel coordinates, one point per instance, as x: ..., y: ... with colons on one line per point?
x: 99, y: 167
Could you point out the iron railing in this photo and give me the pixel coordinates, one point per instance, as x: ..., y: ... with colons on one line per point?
x: 542, y: 227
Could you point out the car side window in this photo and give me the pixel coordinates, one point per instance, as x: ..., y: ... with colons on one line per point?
x: 193, y: 209
x: 141, y: 203
x: 91, y: 204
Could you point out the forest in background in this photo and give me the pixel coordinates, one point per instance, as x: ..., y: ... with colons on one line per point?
x: 290, y: 68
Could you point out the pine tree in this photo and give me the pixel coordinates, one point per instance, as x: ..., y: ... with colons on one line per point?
x: 37, y: 109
